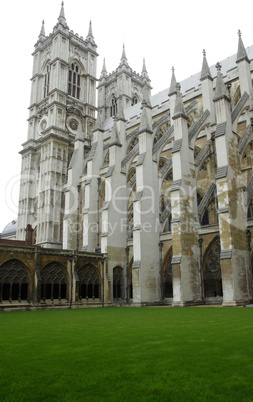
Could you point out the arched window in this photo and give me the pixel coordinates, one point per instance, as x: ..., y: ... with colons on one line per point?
x: 14, y: 281
x: 134, y: 100
x: 47, y: 81
x: 113, y: 106
x: 89, y: 282
x: 167, y: 276
x: 53, y: 282
x: 212, y: 270
x: 74, y: 81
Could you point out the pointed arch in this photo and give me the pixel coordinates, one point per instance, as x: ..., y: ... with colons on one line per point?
x: 89, y: 282
x: 54, y: 281
x: 114, y: 106
x: 212, y: 276
x: 135, y: 100
x: 74, y: 80
x: 15, y: 281
x: 167, y: 285
x: 46, y: 85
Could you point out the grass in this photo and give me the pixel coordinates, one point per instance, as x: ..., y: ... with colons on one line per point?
x: 127, y: 354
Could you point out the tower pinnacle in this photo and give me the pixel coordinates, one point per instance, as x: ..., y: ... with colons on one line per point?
x: 205, y: 72
x: 123, y: 57
x: 241, y: 52
x: 42, y: 35
x: 61, y: 18
x: 173, y: 83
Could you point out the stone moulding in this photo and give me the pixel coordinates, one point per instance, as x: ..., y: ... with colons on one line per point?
x: 220, y: 129
x: 138, y: 196
x: 176, y: 185
x: 140, y: 159
x: 109, y: 171
x: 177, y: 146
x: 176, y: 259
x: 221, y: 172
x: 136, y: 264
x: 226, y: 254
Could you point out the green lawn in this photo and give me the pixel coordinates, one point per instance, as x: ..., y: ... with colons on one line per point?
x: 127, y: 354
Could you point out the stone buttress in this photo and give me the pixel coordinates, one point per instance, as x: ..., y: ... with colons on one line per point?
x: 145, y: 269
x: 185, y: 261
x: 234, y: 249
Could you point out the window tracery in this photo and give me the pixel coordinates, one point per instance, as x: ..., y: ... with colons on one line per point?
x: 89, y: 282
x: 47, y: 80
x: 74, y: 81
x: 113, y: 106
x: 212, y: 270
x: 53, y: 282
x: 14, y: 281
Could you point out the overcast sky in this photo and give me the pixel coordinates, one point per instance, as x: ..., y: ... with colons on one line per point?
x: 165, y: 33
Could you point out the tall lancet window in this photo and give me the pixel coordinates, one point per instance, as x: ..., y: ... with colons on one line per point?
x: 113, y: 106
x: 74, y: 81
x: 47, y: 81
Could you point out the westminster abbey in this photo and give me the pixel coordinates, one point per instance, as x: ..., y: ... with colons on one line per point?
x: 127, y: 197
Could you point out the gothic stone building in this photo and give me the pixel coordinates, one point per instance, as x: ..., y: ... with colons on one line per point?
x: 133, y: 198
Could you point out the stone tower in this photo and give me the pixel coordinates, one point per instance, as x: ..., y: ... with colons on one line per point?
x: 62, y: 117
x: 124, y: 84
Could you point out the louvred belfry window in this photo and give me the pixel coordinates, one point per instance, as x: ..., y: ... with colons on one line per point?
x: 47, y: 81
x: 74, y: 81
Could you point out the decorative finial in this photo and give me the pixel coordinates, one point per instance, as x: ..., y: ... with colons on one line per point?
x: 239, y: 33
x: 218, y: 66
x: 204, y: 52
x: 173, y: 69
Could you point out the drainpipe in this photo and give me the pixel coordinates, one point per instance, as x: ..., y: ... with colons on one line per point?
x: 201, y: 269
x: 99, y: 181
x: 127, y: 264
x: 78, y: 213
x: 103, y: 281
x: 248, y: 234
x: 160, y: 245
x: 71, y: 280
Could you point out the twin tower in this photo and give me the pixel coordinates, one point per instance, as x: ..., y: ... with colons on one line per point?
x: 153, y: 183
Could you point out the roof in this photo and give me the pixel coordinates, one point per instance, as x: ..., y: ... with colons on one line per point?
x: 189, y: 83
x: 10, y: 229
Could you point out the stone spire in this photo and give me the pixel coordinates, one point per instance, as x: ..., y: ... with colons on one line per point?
x: 123, y: 57
x: 179, y: 110
x: 120, y: 112
x: 221, y: 90
x: 205, y: 72
x: 103, y: 72
x: 115, y: 136
x: 173, y: 83
x: 144, y: 72
x: 98, y: 124
x: 61, y: 18
x: 90, y: 37
x: 42, y: 35
x: 146, y: 100
x: 146, y: 118
x: 241, y: 52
